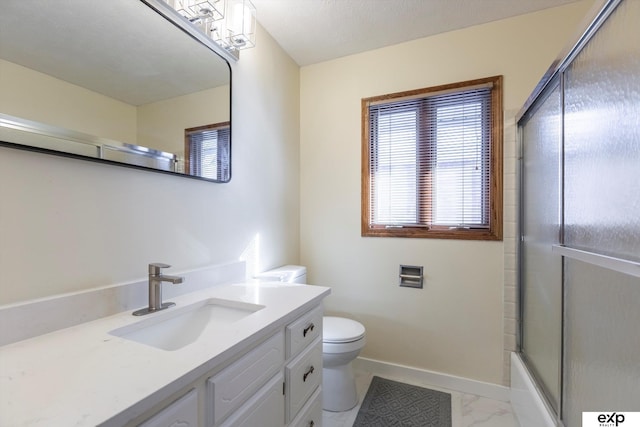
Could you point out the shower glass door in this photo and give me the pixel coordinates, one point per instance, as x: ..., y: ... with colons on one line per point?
x: 602, y: 220
x: 540, y: 269
x: 580, y: 224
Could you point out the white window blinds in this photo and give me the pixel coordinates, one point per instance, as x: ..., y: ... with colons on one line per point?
x: 429, y: 160
x: 209, y: 153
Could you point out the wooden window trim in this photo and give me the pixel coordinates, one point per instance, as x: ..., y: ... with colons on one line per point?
x: 495, y: 230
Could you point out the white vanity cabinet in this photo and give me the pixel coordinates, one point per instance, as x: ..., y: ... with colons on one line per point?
x: 276, y: 383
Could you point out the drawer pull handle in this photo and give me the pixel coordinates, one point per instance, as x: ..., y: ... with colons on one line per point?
x: 308, y: 329
x: 306, y: 374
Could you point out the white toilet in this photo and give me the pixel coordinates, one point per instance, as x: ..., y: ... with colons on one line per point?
x: 342, y: 340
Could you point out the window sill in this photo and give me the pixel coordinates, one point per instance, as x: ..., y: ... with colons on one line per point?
x: 422, y: 233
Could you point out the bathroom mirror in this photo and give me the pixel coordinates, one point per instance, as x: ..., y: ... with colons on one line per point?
x: 127, y: 82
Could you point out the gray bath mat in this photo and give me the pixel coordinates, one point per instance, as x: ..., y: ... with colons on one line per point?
x: 390, y: 403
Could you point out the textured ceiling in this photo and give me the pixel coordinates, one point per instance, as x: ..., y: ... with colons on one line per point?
x: 313, y: 31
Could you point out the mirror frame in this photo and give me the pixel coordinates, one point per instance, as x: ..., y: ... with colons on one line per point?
x: 45, y: 130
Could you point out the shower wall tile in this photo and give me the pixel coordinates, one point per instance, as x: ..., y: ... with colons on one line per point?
x: 510, y: 197
x: 509, y: 341
x: 506, y: 365
x: 510, y: 216
x: 509, y: 167
x: 510, y: 295
x: 510, y: 180
x: 509, y: 259
x: 510, y: 310
x: 510, y: 202
x: 510, y: 325
x: 509, y: 247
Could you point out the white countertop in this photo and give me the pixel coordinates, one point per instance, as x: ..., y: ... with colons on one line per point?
x: 83, y: 376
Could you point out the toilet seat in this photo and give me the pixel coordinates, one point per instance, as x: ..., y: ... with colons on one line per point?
x: 338, y: 330
x: 343, y: 347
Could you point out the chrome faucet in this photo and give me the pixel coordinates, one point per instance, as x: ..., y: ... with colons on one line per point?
x: 155, y: 289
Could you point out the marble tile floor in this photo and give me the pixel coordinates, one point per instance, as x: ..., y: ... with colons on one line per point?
x: 468, y: 410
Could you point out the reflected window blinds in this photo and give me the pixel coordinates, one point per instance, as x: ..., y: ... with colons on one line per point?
x: 208, y: 152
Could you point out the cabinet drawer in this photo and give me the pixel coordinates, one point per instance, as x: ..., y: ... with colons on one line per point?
x: 303, y: 375
x: 311, y: 414
x: 262, y: 409
x: 303, y: 331
x: 182, y: 412
x: 229, y: 389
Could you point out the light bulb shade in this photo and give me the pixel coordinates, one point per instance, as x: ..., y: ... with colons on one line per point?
x: 208, y: 9
x: 240, y: 24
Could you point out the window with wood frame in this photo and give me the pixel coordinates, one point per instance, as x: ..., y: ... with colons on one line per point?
x: 432, y: 162
x: 207, y: 151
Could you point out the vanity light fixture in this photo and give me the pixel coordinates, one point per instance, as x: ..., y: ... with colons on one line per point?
x: 229, y: 23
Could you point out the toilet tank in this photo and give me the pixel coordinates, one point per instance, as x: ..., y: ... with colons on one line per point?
x: 286, y: 273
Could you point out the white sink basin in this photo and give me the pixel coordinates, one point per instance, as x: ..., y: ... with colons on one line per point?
x: 177, y: 327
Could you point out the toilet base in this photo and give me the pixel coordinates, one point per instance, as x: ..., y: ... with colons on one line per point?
x: 338, y: 388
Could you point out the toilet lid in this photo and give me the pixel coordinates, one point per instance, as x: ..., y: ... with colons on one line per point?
x: 339, y: 329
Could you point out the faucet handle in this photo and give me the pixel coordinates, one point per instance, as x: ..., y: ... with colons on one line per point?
x: 155, y: 267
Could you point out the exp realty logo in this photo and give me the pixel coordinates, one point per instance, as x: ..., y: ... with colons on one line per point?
x: 611, y: 419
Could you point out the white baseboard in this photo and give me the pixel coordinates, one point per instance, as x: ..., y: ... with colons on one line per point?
x: 438, y: 379
x: 526, y: 400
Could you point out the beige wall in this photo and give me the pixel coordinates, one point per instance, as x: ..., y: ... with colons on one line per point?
x: 68, y: 225
x: 455, y: 324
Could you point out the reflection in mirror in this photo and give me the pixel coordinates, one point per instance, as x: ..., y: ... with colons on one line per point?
x: 207, y: 151
x: 128, y: 88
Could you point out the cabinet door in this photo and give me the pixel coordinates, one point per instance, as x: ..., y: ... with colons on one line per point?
x: 303, y: 375
x: 181, y: 413
x: 230, y: 388
x: 265, y: 408
x: 311, y: 414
